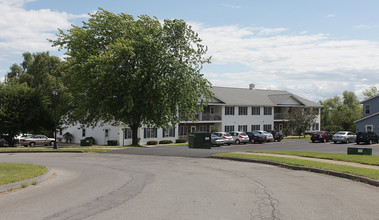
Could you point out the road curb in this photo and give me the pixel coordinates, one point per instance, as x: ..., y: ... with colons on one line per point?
x: 52, y: 151
x: 362, y: 179
x: 39, y: 179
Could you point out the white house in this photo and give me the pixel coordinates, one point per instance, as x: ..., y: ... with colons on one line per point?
x: 231, y: 109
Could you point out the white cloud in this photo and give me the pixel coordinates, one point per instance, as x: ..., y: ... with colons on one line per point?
x: 330, y: 16
x: 310, y: 65
x: 231, y: 6
x: 363, y: 26
x: 28, y: 30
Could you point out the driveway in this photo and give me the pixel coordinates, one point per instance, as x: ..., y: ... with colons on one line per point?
x: 124, y: 186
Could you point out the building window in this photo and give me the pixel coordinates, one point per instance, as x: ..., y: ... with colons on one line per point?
x: 202, y: 128
x: 229, y: 110
x: 315, y: 127
x: 60, y: 131
x: 183, y: 131
x: 242, y: 128
x: 212, y: 110
x: 267, y: 111
x: 229, y: 128
x: 83, y: 132
x: 127, y: 133
x: 369, y: 128
x: 367, y: 109
x: 242, y: 110
x: 255, y: 127
x: 150, y: 133
x: 267, y: 127
x: 255, y: 110
x: 169, y: 132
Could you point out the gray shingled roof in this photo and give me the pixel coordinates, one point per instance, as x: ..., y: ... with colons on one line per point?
x: 257, y: 97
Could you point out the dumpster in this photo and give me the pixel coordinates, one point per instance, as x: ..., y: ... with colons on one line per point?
x: 200, y: 140
x: 86, y: 142
x: 359, y: 150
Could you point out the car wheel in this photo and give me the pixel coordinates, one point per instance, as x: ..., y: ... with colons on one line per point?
x: 335, y: 142
x: 32, y: 144
x: 51, y: 143
x: 237, y: 141
x: 313, y: 141
x: 279, y: 140
x: 229, y: 144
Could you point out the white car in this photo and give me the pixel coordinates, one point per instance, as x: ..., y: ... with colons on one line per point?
x: 344, y: 137
x: 239, y: 137
x: 267, y: 136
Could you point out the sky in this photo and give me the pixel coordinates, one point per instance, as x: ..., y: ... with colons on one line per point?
x: 313, y: 48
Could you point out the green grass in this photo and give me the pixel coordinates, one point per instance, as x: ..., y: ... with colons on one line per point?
x: 14, y: 172
x: 370, y: 173
x: 301, y: 138
x: 364, y: 159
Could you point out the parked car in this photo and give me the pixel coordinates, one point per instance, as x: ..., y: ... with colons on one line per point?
x: 343, y: 137
x: 36, y: 140
x: 255, y: 137
x: 278, y: 135
x: 268, y: 136
x: 239, y: 137
x: 2, y: 142
x: 216, y: 140
x: 228, y: 139
x: 367, y: 137
x: 321, y: 136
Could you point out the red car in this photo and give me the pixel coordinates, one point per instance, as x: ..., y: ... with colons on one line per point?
x: 321, y: 136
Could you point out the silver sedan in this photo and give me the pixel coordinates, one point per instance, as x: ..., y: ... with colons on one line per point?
x: 344, y: 137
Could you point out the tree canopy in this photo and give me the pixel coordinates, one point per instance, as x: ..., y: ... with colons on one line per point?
x: 23, y: 109
x: 301, y: 118
x: 41, y: 72
x: 339, y: 114
x: 370, y: 92
x: 137, y: 72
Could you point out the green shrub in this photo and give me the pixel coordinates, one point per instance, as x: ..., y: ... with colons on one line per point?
x: 68, y: 137
x: 112, y: 142
x: 152, y: 143
x: 165, y: 142
x: 178, y: 141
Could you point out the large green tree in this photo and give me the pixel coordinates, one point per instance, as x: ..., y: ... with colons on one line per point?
x: 22, y: 109
x: 340, y: 113
x: 301, y: 118
x: 42, y: 72
x: 134, y: 71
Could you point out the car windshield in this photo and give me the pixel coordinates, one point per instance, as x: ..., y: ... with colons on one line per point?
x: 341, y: 133
x: 243, y: 134
x: 319, y: 132
x: 228, y: 135
x: 213, y: 135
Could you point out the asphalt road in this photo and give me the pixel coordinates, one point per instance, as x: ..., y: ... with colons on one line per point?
x: 286, y: 145
x: 125, y: 186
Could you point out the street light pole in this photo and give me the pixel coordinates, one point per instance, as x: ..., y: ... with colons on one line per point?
x: 55, y: 93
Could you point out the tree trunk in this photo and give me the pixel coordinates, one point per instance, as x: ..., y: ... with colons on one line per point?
x: 135, y: 140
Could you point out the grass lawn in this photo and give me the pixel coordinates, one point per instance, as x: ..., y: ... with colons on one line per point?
x: 14, y: 172
x: 364, y: 159
x: 301, y: 138
x: 371, y: 173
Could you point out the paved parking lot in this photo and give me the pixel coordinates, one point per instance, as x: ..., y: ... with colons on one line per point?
x: 286, y: 145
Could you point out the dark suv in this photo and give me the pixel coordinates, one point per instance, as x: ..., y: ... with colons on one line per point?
x: 367, y: 137
x: 278, y: 136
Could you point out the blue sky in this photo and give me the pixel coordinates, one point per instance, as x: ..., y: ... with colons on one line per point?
x: 313, y: 48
